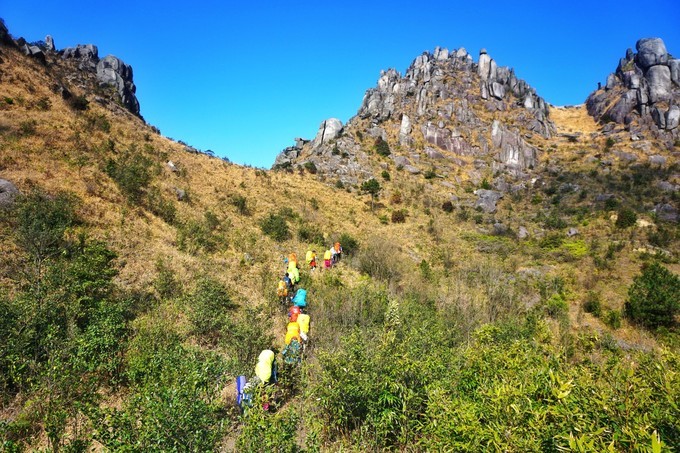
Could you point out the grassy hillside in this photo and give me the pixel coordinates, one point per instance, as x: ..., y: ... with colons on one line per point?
x: 129, y: 311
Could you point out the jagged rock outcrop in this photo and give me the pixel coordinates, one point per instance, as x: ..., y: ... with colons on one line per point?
x: 329, y: 130
x: 113, y: 72
x: 49, y: 44
x: 109, y: 71
x: 439, y: 102
x: 643, y: 93
x: 87, y: 56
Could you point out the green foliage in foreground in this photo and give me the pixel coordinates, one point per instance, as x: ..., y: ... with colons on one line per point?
x: 654, y: 297
x: 509, y: 389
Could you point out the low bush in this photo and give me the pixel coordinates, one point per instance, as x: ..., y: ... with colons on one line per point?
x: 654, y: 297
x: 398, y: 216
x: 311, y: 234
x: 626, y: 218
x: 382, y: 147
x: 447, y: 206
x: 276, y: 227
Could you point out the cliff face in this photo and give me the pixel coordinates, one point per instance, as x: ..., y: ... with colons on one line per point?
x: 445, y: 110
x: 642, y: 94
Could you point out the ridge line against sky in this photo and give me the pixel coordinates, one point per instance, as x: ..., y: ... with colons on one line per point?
x: 244, y: 80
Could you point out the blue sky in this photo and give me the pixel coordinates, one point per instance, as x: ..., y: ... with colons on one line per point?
x: 244, y: 79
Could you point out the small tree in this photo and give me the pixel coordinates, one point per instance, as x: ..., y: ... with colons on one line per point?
x: 382, y: 147
x: 654, y: 297
x: 371, y: 187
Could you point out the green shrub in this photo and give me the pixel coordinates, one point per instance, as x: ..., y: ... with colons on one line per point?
x: 654, y: 297
x: 209, y: 309
x: 592, y: 304
x: 611, y: 203
x: 556, y: 306
x: 382, y: 147
x: 349, y: 244
x: 276, y: 227
x: 265, y: 431
x: 166, y: 284
x: 194, y: 234
x: 385, y: 175
x: 160, y: 206
x: 78, y: 103
x: 430, y: 174
x: 241, y: 204
x: 28, y: 127
x: 447, y: 206
x: 132, y: 172
x: 626, y: 217
x: 398, y: 216
x: 613, y: 319
x: 486, y: 185
x: 311, y: 167
x: 311, y: 234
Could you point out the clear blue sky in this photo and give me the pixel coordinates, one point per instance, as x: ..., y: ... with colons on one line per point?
x: 244, y: 78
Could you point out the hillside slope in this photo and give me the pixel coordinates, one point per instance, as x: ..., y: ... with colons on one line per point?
x: 472, y: 270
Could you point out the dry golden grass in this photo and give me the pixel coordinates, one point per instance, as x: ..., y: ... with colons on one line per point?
x: 66, y: 153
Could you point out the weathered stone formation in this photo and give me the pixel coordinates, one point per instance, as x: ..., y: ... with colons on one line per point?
x: 643, y: 93
x: 87, y: 56
x: 34, y: 52
x: 440, y: 101
x: 113, y: 72
x: 110, y: 71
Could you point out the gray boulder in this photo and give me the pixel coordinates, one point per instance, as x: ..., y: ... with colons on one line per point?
x: 651, y: 51
x: 411, y: 169
x: 487, y: 200
x: 49, y: 43
x: 572, y: 232
x: 8, y: 192
x: 666, y: 212
x: 659, y: 79
x: 86, y: 54
x: 329, y: 130
x: 674, y: 66
x: 523, y: 233
x: 514, y: 152
x: 433, y: 153
x: 112, y: 71
x: 400, y: 161
x: 657, y: 160
x: 672, y: 117
x: 405, y: 131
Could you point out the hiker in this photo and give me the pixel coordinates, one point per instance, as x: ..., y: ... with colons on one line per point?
x: 282, y: 290
x: 265, y: 369
x: 338, y: 252
x: 327, y: 255
x: 292, y: 353
x: 300, y: 298
x: 303, y: 322
x: 293, y: 313
x: 311, y: 259
x: 292, y: 332
x: 294, y: 275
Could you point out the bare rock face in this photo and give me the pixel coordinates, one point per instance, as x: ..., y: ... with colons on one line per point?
x: 114, y: 72
x: 87, y: 55
x: 643, y: 93
x: 329, y: 130
x: 441, y: 102
x: 109, y: 71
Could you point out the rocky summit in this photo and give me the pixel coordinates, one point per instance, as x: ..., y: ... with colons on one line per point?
x: 83, y: 67
x: 447, y: 109
x: 642, y: 94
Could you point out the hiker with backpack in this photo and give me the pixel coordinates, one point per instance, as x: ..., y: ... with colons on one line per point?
x: 300, y: 298
x: 282, y: 290
x: 327, y: 256
x: 303, y: 321
x: 311, y: 259
x: 337, y: 248
x: 266, y: 369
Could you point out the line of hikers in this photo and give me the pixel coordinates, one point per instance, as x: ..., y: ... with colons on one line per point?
x: 297, y: 330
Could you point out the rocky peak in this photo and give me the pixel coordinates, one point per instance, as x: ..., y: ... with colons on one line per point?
x: 443, y: 101
x: 643, y: 93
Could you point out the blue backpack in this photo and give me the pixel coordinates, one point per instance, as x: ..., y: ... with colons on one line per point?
x: 300, y: 298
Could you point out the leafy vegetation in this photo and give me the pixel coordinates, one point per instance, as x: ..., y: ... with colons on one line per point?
x: 654, y: 297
